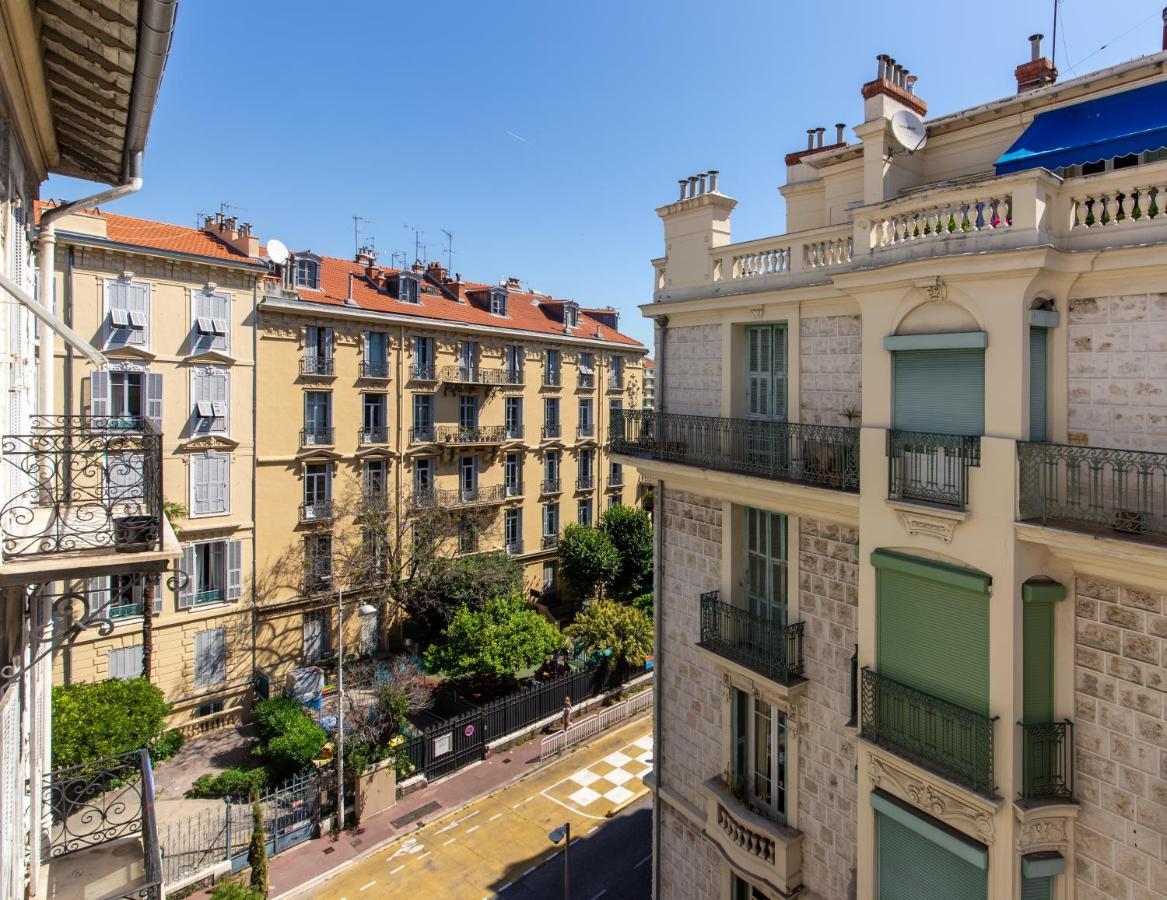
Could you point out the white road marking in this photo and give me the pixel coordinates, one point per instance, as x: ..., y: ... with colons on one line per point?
x: 593, y: 828
x: 600, y: 894
x: 643, y: 861
x: 529, y: 871
x: 472, y: 829
x: 450, y: 841
x: 505, y: 886
x: 495, y: 816
x: 424, y: 855
x: 472, y: 815
x: 395, y: 871
x: 369, y: 885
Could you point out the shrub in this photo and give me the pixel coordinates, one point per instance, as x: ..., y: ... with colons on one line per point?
x: 393, y: 706
x: 588, y: 559
x: 275, y: 717
x: 230, y: 889
x: 106, y: 718
x: 230, y: 783
x: 631, y: 532
x: 643, y: 603
x: 166, y: 745
x: 607, y: 625
x: 293, y: 750
x: 503, y: 637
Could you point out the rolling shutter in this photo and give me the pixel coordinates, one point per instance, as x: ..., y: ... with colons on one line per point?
x: 913, y: 868
x: 1037, y: 888
x: 940, y: 391
x: 1038, y: 383
x: 935, y: 637
x: 1038, y: 637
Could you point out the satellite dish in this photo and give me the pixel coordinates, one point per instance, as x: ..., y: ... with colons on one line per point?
x: 907, y: 129
x: 277, y: 252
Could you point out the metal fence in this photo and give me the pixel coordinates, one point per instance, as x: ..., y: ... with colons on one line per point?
x: 593, y: 725
x: 931, y: 468
x: 771, y: 648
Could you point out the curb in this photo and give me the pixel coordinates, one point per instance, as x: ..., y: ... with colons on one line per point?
x: 307, y: 886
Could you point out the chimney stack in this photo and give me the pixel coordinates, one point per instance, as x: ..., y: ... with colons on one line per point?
x: 819, y: 137
x: 840, y: 127
x: 1038, y: 72
x: 896, y: 82
x: 713, y: 173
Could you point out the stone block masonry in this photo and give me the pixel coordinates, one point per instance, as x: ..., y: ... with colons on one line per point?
x: 692, y: 382
x: 830, y: 366
x: 689, y: 865
x: 1120, y: 736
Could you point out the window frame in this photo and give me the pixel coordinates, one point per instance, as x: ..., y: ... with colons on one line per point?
x: 309, y: 262
x: 219, y: 419
x: 219, y: 341
x: 193, y: 511
x: 744, y: 750
x: 109, y: 326
x: 221, y: 663
x: 498, y: 302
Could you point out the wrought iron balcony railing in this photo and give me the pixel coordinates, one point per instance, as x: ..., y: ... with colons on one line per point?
x: 317, y: 366
x: 107, y: 800
x: 552, y: 430
x: 374, y: 434
x: 318, y: 581
x: 512, y: 376
x: 473, y: 375
x: 317, y: 436
x: 1047, y: 762
x: 1124, y: 491
x: 769, y: 648
x: 552, y: 378
x: 423, y: 372
x: 81, y: 483
x: 514, y: 432
x: 477, y: 496
x: 615, y: 384
x: 931, y: 468
x: 585, y: 431
x: 513, y: 488
x: 317, y: 511
x: 586, y: 381
x: 421, y: 434
x: 824, y: 456
x: 514, y: 548
x: 932, y: 732
x: 424, y: 498
x: 551, y: 485
x: 585, y: 483
x: 550, y: 540
x: 477, y: 434
x: 374, y: 368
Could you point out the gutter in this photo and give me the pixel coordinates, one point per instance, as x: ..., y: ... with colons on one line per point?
x: 658, y: 516
x: 50, y: 321
x: 90, y: 240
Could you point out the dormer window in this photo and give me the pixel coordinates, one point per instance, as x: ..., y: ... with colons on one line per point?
x: 307, y: 273
x: 498, y: 303
x: 570, y: 315
x: 407, y: 289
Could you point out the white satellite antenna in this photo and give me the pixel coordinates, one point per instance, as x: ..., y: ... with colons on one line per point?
x: 277, y: 252
x: 907, y: 130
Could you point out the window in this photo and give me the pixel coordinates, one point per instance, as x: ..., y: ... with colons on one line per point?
x: 468, y: 360
x: 585, y: 469
x: 209, y: 572
x: 375, y: 479
x: 317, y: 417
x: 758, y: 748
x: 513, y: 474
x: 570, y: 315
x: 307, y: 273
x: 550, y: 581
x: 123, y: 596
x: 210, y: 394
x: 513, y: 531
x: 317, y: 635
x: 550, y: 519
x: 587, y: 422
x: 551, y: 362
x: 766, y: 372
x: 583, y: 513
x: 468, y: 478
x: 613, y: 500
x: 498, y: 303
x: 317, y: 491
x: 513, y: 417
x: 766, y: 589
x: 550, y: 417
x: 210, y: 657
x: 210, y: 483
x: 209, y: 709
x: 125, y: 662
x: 615, y: 410
x: 407, y: 288
x: 128, y: 393
x: 376, y: 361
x: 615, y: 373
x: 374, y: 429
x: 740, y: 889
x: 551, y: 471
x: 213, y: 573
x: 317, y: 350
x: 587, y: 370
x: 374, y: 547
x: 423, y: 476
x: 515, y: 357
x: 467, y: 536
x: 423, y: 417
x: 423, y: 358
x: 1038, y: 382
x: 211, y: 312
x: 467, y: 412
x: 317, y: 562
x: 615, y: 473
x: 127, y: 314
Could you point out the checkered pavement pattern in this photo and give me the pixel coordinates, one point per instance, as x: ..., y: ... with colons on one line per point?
x: 609, y: 782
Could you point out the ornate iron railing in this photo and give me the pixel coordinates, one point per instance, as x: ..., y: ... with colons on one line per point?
x: 585, y: 431
x: 103, y: 801
x: 585, y: 483
x: 422, y: 372
x: 512, y: 376
x: 375, y: 434
x: 1047, y: 762
x: 551, y: 485
x: 550, y: 540
x: 1121, y: 490
x: 514, y: 548
x: 824, y: 456
x: 768, y: 648
x: 424, y: 498
x: 319, y: 366
x: 316, y: 436
x: 473, y: 375
x: 421, y: 434
x: 551, y: 378
x: 586, y: 381
x: 552, y: 430
x: 317, y: 511
x: 514, y: 432
x: 478, y: 496
x: 375, y: 368
x: 514, y: 488
x: 932, y: 732
x: 477, y: 434
x: 931, y: 468
x: 81, y: 483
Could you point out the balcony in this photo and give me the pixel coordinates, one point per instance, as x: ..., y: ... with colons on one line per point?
x: 80, y: 484
x: 552, y: 431
x: 585, y: 483
x: 931, y: 468
x: 513, y: 488
x: 551, y: 379
x: 586, y: 381
x: 755, y: 844
x: 424, y: 498
x: 421, y: 434
x: 317, y: 436
x: 1094, y: 489
x: 823, y: 456
x: 476, y: 434
x: 422, y: 372
x: 473, y: 375
x: 318, y: 511
x: 512, y: 377
x: 934, y: 733
x: 514, y: 432
x: 373, y: 434
x: 477, y: 496
x: 1047, y: 762
x: 585, y: 432
x: 375, y: 369
x: 318, y: 580
x: 514, y: 548
x: 616, y: 384
x: 102, y: 839
x: 550, y: 540
x: 550, y: 485
x: 768, y: 648
x: 317, y: 367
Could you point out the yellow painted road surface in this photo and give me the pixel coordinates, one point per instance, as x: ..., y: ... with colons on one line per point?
x: 478, y: 850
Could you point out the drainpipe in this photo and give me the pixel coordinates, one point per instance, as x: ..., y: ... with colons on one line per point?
x: 658, y: 517
x: 254, y: 472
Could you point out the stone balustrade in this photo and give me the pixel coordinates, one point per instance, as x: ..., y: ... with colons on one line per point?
x: 767, y: 261
x: 819, y: 248
x: 1138, y: 202
x: 756, y: 846
x: 953, y: 216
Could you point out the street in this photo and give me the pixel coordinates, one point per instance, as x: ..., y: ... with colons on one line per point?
x: 499, y: 846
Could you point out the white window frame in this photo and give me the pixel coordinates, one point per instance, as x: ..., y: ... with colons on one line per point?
x: 310, y: 262
x: 512, y: 463
x: 423, y: 464
x: 375, y: 465
x: 193, y: 510
x: 423, y: 402
x: 512, y: 534
x: 468, y: 411
x: 110, y: 326
x: 408, y: 288
x: 468, y: 477
x: 317, y: 488
x: 779, y: 749
x: 498, y: 302
x: 583, y: 511
x: 210, y: 332
x: 514, y: 429
x: 550, y: 511
x: 215, y: 412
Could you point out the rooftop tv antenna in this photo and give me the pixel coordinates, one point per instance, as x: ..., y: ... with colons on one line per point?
x: 224, y: 206
x: 357, y: 222
x: 449, y: 250
x: 418, y: 246
x: 907, y: 130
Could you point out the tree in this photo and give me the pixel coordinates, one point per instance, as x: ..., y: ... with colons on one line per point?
x: 289, y: 739
x: 442, y: 586
x: 610, y: 626
x: 501, y: 638
x: 587, y: 559
x: 105, y: 718
x: 631, y: 532
x: 257, y: 851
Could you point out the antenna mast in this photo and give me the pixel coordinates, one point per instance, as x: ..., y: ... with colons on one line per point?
x: 449, y: 250
x: 357, y: 220
x: 1053, y: 55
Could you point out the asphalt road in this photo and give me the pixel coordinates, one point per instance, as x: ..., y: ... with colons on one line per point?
x: 613, y: 862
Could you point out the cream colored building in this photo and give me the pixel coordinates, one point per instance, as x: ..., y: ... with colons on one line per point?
x: 910, y: 462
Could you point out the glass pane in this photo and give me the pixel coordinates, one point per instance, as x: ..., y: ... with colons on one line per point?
x: 763, y: 755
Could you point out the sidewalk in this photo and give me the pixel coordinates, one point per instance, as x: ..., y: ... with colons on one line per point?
x: 291, y: 870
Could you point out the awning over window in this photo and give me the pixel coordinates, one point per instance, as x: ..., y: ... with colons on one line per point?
x: 1118, y: 125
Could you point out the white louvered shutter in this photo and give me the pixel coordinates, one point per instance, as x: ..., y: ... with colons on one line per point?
x: 138, y: 307
x: 117, y: 306
x: 125, y: 662
x: 98, y: 590
x: 219, y: 471
x: 99, y: 394
x: 234, y: 569
x: 200, y: 485
x: 186, y: 585
x: 154, y: 398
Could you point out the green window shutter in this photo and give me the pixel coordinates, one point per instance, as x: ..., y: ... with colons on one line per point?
x: 1037, y: 888
x: 939, y: 391
x: 934, y: 637
x: 1038, y: 383
x: 766, y: 372
x: 766, y: 564
x: 779, y: 343
x: 1038, y: 670
x: 913, y: 868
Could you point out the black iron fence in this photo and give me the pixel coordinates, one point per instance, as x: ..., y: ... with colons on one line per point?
x: 317, y: 436
x: 316, y: 366
x: 423, y: 372
x: 1121, y: 490
x: 476, y: 496
x: 421, y: 434
x: 1047, y: 762
x: 824, y: 456
x: 551, y: 430
x: 80, y: 483
x: 928, y: 730
x: 375, y: 368
x: 769, y: 648
x: 471, y: 434
x: 320, y: 510
x: 374, y: 434
x: 931, y: 468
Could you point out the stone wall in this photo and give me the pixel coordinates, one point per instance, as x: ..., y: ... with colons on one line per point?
x: 1118, y: 371
x: 1120, y: 736
x: 828, y: 574
x: 692, y: 380
x: 689, y: 866
x: 830, y: 361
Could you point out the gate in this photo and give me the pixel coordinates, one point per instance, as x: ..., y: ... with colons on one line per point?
x: 290, y: 815
x: 446, y: 748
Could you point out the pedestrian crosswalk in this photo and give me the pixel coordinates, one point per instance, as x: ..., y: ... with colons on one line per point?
x: 610, y: 782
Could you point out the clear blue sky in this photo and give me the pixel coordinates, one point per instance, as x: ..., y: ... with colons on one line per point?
x: 543, y: 134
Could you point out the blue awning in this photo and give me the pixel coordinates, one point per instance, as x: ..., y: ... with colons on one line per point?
x: 1118, y: 125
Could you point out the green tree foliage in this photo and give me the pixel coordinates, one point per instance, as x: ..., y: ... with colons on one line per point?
x: 232, y: 782
x: 231, y: 889
x: 631, y: 532
x: 501, y: 638
x: 257, y: 851
x: 106, y: 718
x: 643, y: 602
x: 607, y: 625
x: 443, y: 586
x: 587, y: 559
x: 289, y: 739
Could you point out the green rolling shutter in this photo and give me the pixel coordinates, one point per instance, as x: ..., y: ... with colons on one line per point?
x: 934, y: 637
x: 1038, y: 663
x: 1038, y: 383
x: 940, y: 391
x: 1037, y: 888
x: 913, y: 868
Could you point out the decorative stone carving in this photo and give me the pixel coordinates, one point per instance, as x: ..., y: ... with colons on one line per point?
x: 758, y: 312
x: 931, y: 799
x: 1043, y: 834
x: 937, y: 525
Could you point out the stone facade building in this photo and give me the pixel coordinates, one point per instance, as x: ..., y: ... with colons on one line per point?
x: 912, y: 469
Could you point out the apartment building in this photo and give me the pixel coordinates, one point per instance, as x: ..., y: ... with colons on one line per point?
x: 911, y: 482
x: 77, y: 497
x: 413, y: 390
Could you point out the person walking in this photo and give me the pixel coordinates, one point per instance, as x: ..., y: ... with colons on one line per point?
x: 566, y: 713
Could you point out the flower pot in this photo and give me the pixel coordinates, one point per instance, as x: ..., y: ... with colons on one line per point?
x: 132, y: 533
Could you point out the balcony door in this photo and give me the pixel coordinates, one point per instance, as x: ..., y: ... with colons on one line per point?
x: 765, y: 445
x: 758, y: 766
x: 766, y: 590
